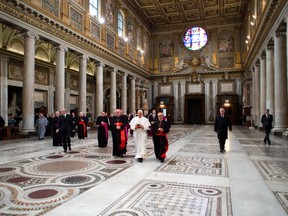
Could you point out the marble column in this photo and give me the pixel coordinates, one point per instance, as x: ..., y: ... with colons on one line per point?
x: 99, y: 89
x: 67, y: 92
x: 4, y: 89
x: 286, y: 20
x: 150, y: 97
x: 133, y: 95
x: 82, y: 94
x: 280, y: 77
x: 60, y: 81
x: 28, y: 82
x: 262, y: 84
x: 51, y: 91
x: 155, y: 91
x: 249, y: 98
x: 182, y: 99
x: 238, y: 88
x: 176, y: 93
x: 270, y: 79
x: 253, y: 116
x: 113, y: 102
x: 244, y: 98
x: 257, y: 94
x: 207, y: 100
x: 214, y: 95
x: 124, y: 93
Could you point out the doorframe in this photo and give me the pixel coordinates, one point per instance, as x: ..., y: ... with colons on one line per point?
x: 194, y: 96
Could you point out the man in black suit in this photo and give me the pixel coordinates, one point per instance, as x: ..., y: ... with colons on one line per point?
x: 266, y: 121
x: 222, y: 123
x: 65, y: 129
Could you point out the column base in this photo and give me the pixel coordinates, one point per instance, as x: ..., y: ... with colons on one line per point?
x: 26, y: 131
x: 285, y: 134
x: 278, y: 130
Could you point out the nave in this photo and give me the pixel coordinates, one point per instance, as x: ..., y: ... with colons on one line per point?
x: 195, y: 179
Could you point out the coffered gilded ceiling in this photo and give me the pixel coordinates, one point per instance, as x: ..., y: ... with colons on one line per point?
x: 160, y: 13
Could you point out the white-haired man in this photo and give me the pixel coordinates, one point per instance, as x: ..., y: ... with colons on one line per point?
x: 140, y: 125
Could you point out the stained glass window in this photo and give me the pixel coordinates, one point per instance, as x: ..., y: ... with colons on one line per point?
x: 195, y: 38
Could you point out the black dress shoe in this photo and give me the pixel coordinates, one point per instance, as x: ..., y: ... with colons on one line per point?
x: 140, y: 160
x: 269, y: 143
x: 69, y: 148
x: 222, y: 151
x: 162, y: 160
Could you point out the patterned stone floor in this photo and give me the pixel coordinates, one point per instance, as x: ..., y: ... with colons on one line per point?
x: 195, y: 179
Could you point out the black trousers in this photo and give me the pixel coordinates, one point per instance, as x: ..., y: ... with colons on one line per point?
x: 222, y: 143
x: 66, y: 140
x: 267, y: 139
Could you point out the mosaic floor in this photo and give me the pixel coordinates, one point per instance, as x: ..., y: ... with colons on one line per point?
x: 195, y: 179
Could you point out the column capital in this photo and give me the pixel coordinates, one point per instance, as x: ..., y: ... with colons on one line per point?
x: 155, y: 83
x: 182, y: 82
x: 278, y: 34
x: 52, y: 70
x: 269, y: 47
x: 83, y: 57
x: 99, y: 64
x: 4, y: 57
x: 263, y: 56
x: 31, y: 34
x: 257, y: 64
x: 175, y: 82
x: 131, y: 77
x: 61, y: 47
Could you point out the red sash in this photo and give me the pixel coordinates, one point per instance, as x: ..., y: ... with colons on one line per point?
x: 106, y: 129
x: 84, y: 126
x: 160, y: 133
x: 122, y: 135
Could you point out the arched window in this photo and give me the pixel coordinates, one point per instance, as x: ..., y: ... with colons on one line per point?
x: 120, y: 24
x: 93, y: 7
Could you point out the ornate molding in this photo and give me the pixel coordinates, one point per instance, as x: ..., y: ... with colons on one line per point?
x: 32, y: 17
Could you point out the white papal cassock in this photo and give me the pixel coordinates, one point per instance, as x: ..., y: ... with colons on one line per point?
x: 140, y: 135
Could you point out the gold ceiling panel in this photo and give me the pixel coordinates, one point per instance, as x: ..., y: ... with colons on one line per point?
x: 164, y: 12
x: 210, y: 3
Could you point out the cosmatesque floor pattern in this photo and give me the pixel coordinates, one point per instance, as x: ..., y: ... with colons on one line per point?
x: 196, y: 179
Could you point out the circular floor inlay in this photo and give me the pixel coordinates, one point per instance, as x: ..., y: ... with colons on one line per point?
x: 2, y: 170
x: 55, y: 156
x: 18, y: 179
x: 209, y: 191
x: 40, y: 194
x: 116, y: 162
x: 62, y: 166
x: 76, y: 179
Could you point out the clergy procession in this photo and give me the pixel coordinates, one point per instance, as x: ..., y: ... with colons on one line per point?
x: 64, y: 126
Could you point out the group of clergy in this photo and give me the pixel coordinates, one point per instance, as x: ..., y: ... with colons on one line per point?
x: 140, y: 125
x: 65, y: 125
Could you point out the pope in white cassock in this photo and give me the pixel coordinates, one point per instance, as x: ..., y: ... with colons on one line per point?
x: 140, y: 125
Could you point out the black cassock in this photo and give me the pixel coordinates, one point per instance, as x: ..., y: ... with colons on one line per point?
x: 160, y: 138
x: 57, y: 140
x: 119, y: 136
x: 102, y: 131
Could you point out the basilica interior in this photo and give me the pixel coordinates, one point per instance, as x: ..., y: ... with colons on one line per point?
x: 185, y: 58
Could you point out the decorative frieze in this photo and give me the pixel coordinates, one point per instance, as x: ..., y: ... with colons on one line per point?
x: 16, y: 73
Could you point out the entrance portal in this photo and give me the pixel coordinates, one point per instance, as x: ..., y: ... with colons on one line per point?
x: 194, y: 109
